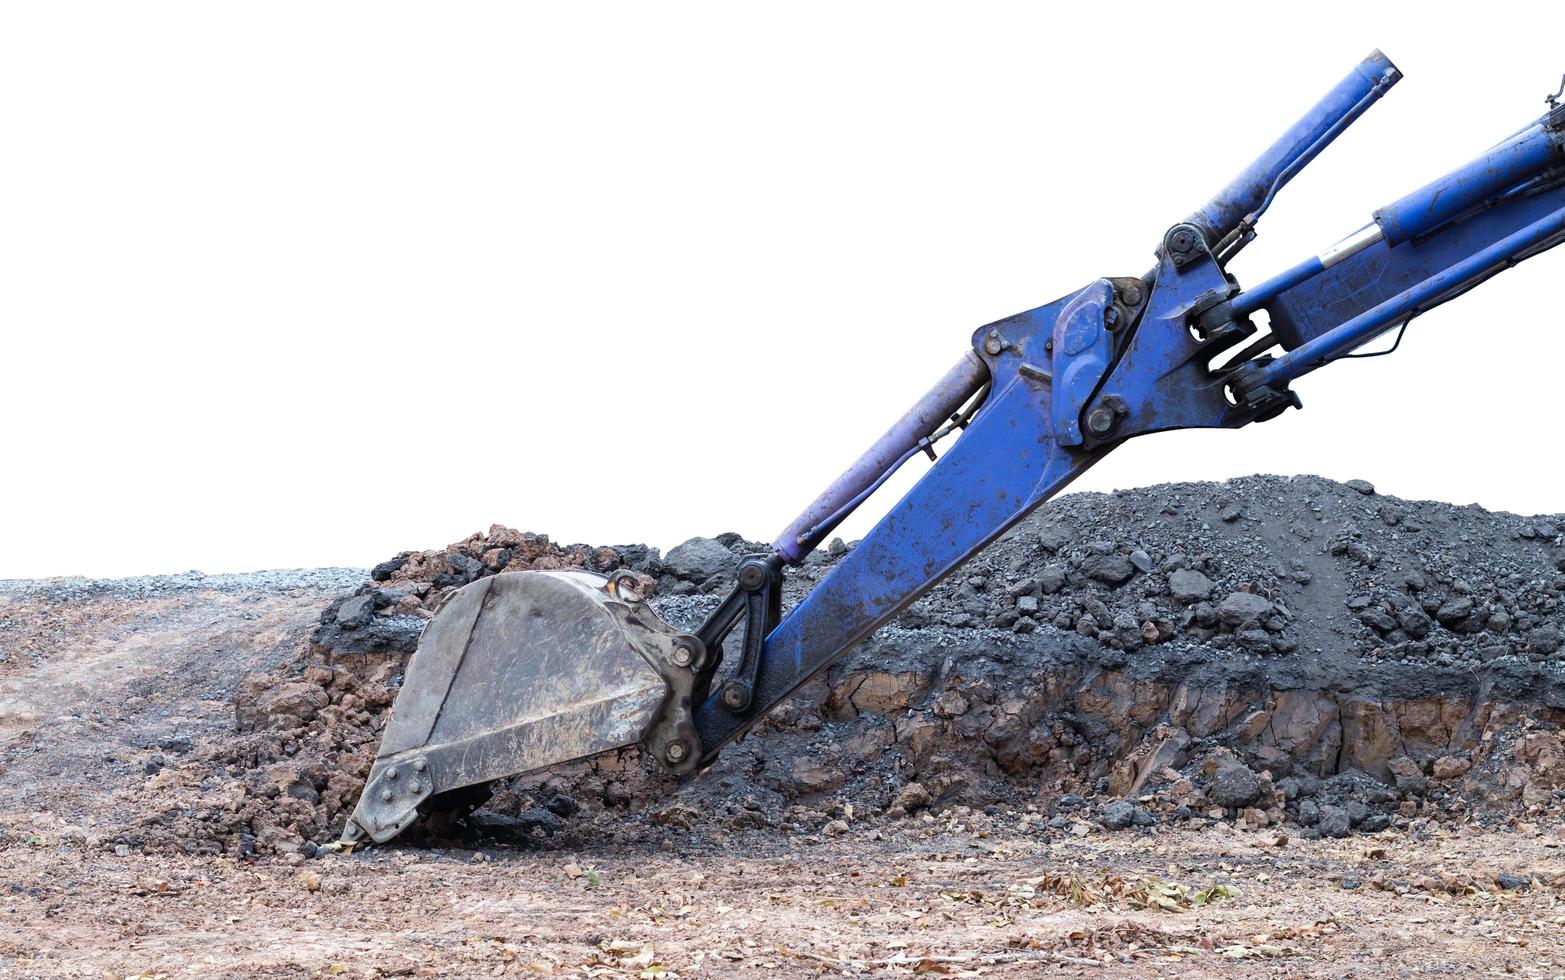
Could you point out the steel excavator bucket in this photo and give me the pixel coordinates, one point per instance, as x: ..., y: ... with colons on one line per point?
x: 520, y: 671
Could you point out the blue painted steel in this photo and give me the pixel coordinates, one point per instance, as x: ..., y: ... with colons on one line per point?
x: 1082, y: 350
x: 1518, y: 158
x: 1250, y: 193
x: 1368, y: 325
x: 1162, y: 380
x: 1379, y: 272
x: 1257, y: 297
x: 1003, y: 466
x: 942, y: 401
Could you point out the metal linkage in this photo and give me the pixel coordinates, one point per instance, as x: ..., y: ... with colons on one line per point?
x: 757, y: 599
x: 760, y: 581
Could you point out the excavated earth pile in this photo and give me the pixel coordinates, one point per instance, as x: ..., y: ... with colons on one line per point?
x: 1270, y: 652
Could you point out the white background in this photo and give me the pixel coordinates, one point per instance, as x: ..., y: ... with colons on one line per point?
x: 303, y: 284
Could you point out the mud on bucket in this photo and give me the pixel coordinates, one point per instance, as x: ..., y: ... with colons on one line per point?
x: 521, y: 671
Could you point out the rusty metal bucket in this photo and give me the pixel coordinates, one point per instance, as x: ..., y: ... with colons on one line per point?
x: 520, y: 671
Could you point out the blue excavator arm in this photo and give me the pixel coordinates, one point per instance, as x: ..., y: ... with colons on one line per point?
x: 1044, y: 394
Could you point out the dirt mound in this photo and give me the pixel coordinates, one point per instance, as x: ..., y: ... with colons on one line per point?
x: 1277, y: 652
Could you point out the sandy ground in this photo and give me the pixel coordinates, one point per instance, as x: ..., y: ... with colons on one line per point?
x: 91, y: 685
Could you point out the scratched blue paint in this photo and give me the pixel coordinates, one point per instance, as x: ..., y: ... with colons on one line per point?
x: 1249, y: 194
x: 1529, y: 152
x: 1372, y: 322
x: 1081, y: 356
x: 1314, y: 306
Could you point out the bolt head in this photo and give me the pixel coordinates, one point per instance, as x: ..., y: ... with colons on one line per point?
x: 1181, y: 241
x: 676, y: 751
x: 1100, y: 421
x: 752, y: 575
x: 682, y: 655
x: 1131, y: 295
x: 420, y: 765
x: 993, y: 344
x: 392, y: 773
x: 387, y: 795
x: 415, y: 787
x: 735, y: 696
